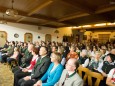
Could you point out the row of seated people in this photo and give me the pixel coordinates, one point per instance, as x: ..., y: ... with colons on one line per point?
x: 45, y: 73
x: 9, y: 49
x: 93, y: 64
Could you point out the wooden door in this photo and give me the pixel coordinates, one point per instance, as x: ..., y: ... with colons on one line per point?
x: 3, y: 38
x: 103, y: 38
x: 28, y: 37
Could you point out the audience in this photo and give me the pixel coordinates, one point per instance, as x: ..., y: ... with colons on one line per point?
x: 33, y: 68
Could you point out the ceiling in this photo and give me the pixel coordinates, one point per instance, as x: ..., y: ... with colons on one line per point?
x: 60, y: 13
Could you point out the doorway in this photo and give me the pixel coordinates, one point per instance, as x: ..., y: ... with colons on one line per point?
x: 28, y: 37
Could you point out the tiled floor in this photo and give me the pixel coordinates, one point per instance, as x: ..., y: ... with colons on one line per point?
x: 6, y: 76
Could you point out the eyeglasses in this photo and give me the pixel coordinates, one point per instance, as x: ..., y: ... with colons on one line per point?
x: 70, y: 65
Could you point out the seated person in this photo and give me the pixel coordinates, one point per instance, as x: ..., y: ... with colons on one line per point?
x: 95, y: 62
x: 14, y: 56
x: 33, y: 61
x: 53, y: 73
x: 72, y: 53
x: 69, y: 75
x: 111, y: 78
x: 83, y: 59
x: 107, y: 65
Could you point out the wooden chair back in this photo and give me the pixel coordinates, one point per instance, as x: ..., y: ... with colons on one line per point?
x: 85, y: 70
x: 96, y: 75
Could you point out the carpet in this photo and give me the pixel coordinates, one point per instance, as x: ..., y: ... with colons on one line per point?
x: 6, y: 76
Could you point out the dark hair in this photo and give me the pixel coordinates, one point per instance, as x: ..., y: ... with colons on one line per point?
x: 35, y: 50
x: 76, y: 63
x: 45, y: 48
x: 112, y: 56
x: 55, y: 47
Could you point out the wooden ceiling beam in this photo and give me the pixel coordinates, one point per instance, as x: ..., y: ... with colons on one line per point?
x: 37, y: 9
x: 79, y: 6
x: 73, y: 16
x: 103, y: 9
x: 22, y: 22
x: 34, y: 16
x: 98, y: 11
x: 28, y: 23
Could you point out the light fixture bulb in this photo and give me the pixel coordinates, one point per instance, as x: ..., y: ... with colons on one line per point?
x: 11, y: 12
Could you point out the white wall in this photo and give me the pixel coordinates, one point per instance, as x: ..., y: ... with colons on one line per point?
x: 21, y: 29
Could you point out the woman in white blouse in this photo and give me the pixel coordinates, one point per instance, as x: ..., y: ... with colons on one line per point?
x: 111, y: 78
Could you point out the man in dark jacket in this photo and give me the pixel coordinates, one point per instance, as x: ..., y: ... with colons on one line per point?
x: 39, y: 69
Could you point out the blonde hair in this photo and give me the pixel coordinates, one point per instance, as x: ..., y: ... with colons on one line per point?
x: 58, y: 56
x: 98, y: 52
x: 16, y: 49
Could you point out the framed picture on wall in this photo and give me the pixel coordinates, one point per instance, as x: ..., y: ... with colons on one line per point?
x: 16, y: 35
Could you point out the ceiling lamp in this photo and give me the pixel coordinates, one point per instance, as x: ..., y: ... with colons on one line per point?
x: 3, y: 21
x: 12, y: 12
x: 56, y: 31
x: 82, y: 30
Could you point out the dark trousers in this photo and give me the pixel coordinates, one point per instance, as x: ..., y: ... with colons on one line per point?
x: 15, y: 69
x: 4, y: 58
x: 22, y: 82
x: 9, y: 60
x: 18, y: 75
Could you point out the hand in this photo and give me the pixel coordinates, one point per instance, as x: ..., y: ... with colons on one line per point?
x: 25, y: 70
x: 104, y: 74
x: 38, y: 83
x: 27, y: 78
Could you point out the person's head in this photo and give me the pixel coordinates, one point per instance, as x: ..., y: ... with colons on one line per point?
x: 43, y: 51
x: 55, y: 57
x: 60, y: 50
x: 110, y: 57
x: 30, y: 47
x: 43, y: 44
x: 88, y: 48
x: 109, y: 49
x: 54, y: 49
x: 16, y: 49
x: 77, y: 48
x: 94, y: 48
x: 72, y: 64
x: 72, y: 49
x: 53, y: 44
x: 113, y: 51
x: 12, y: 43
x: 37, y: 44
x: 84, y: 53
x: 35, y: 51
x: 97, y: 54
x: 25, y: 44
x: 103, y: 51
